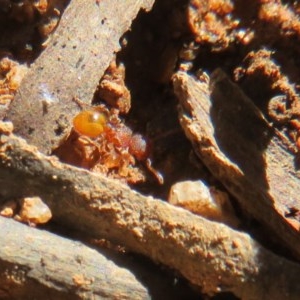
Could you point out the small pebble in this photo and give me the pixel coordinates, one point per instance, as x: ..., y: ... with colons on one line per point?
x: 34, y: 211
x: 210, y: 203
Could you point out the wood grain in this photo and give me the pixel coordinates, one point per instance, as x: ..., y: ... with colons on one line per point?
x: 243, y: 151
x: 36, y: 264
x: 78, y: 53
x: 210, y: 255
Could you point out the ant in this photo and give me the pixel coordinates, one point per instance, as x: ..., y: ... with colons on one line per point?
x: 115, y: 145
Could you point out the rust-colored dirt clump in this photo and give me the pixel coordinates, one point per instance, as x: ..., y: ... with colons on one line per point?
x: 256, y: 42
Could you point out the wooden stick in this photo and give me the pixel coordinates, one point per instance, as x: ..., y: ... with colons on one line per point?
x: 36, y: 264
x: 79, y: 52
x: 243, y: 151
x: 210, y: 255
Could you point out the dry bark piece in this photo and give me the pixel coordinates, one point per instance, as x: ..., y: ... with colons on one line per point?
x: 71, y: 66
x: 281, y: 16
x: 212, y: 22
x: 41, y: 265
x: 112, y: 88
x: 11, y: 75
x: 243, y: 151
x: 260, y: 68
x: 209, y: 254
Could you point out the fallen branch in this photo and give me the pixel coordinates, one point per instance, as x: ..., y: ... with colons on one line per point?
x: 41, y: 263
x: 79, y: 52
x: 243, y: 151
x: 208, y: 254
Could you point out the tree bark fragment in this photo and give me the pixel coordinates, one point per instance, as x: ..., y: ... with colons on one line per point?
x: 242, y: 150
x: 36, y: 264
x: 78, y: 53
x: 209, y: 254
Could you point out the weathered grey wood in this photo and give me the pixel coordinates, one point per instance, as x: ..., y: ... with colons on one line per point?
x: 209, y: 254
x: 243, y: 151
x: 36, y: 264
x: 71, y: 66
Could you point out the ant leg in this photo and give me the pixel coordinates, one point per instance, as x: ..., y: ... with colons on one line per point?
x: 154, y: 172
x: 82, y: 105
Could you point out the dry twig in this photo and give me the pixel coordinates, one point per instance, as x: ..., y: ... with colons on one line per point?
x: 208, y: 254
x: 71, y: 66
x: 41, y: 263
x: 243, y: 151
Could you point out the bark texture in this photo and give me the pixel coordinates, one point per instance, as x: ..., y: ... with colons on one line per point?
x: 71, y: 66
x: 36, y: 264
x: 243, y: 151
x: 210, y: 255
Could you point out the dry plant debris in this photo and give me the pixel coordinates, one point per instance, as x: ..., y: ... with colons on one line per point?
x: 44, y: 259
x: 221, y: 122
x: 211, y: 22
x: 113, y: 90
x: 261, y: 55
x: 75, y: 59
x: 255, y: 43
x: 209, y: 254
x: 11, y: 75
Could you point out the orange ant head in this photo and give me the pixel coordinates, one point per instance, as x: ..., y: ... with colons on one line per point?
x: 90, y: 123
